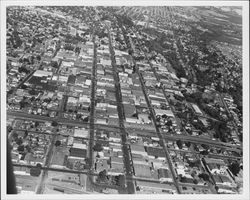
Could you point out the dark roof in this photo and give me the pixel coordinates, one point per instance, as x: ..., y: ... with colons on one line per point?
x: 71, y: 79
x: 163, y: 173
x: 155, y: 152
x: 78, y: 63
x: 138, y: 156
x: 82, y: 153
x: 189, y: 180
x: 225, y: 178
x: 136, y: 147
x: 217, y: 178
x: 213, y: 166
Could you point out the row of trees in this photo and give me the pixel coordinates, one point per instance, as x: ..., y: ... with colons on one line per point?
x: 104, y: 178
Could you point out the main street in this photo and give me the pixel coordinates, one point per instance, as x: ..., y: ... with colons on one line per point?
x: 49, y: 154
x: 152, y: 114
x: 47, y: 161
x: 199, y: 139
x: 92, y: 110
x: 121, y: 114
x: 68, y: 122
x: 206, y: 141
x: 229, y: 114
x: 128, y: 143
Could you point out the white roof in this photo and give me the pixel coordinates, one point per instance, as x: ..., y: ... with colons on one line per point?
x: 84, y: 98
x: 162, y: 112
x: 67, y: 64
x: 80, y: 146
x: 88, y: 82
x: 72, y: 100
x: 63, y: 78
x: 81, y: 133
x: 41, y: 73
x: 196, y: 108
x: 21, y: 173
x: 132, y: 120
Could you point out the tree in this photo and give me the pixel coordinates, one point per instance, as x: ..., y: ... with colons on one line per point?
x: 38, y: 165
x: 25, y: 134
x: 87, y: 163
x: 179, y: 144
x: 32, y: 92
x: 27, y: 147
x: 205, y: 152
x: 24, y: 86
x: 54, y: 123
x: 20, y: 148
x: 98, y: 147
x: 38, y: 57
x: 195, y: 181
x: 102, y: 175
x: 205, y: 146
x: 130, y: 51
x: 188, y: 144
x: 234, y: 168
x: 121, y: 180
x: 169, y: 123
x: 57, y: 143
x: 54, y: 64
x: 204, y: 176
x: 19, y: 141
x: 9, y: 128
x: 36, y: 124
x: 164, y: 116
x: 15, y: 136
x: 86, y: 119
x: 35, y: 171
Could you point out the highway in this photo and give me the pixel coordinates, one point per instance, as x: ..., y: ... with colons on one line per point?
x: 121, y: 114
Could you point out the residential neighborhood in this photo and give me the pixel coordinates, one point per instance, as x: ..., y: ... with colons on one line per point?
x: 125, y: 100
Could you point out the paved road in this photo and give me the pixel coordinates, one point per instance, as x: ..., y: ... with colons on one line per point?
x: 128, y: 143
x: 157, y: 130
x: 49, y: 155
x: 111, y: 128
x: 200, y: 140
x: 229, y: 114
x: 22, y: 115
x: 92, y: 109
x: 152, y: 113
x: 47, y: 162
x: 87, y: 172
x: 125, y: 148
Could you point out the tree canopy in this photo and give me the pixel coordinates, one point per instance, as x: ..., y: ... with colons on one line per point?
x: 98, y: 147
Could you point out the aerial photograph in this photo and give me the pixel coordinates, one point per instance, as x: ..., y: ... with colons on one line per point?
x: 124, y: 100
